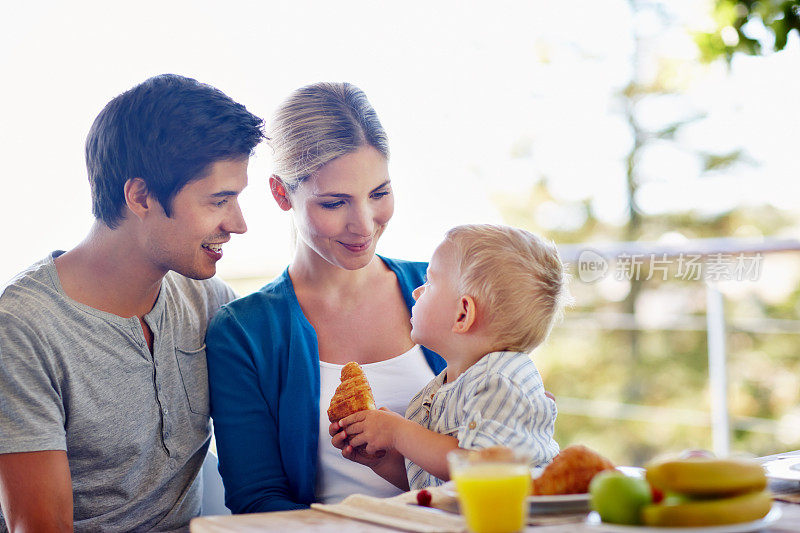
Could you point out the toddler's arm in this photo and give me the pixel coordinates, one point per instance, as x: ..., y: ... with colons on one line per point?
x: 385, y: 430
x: 390, y: 465
x: 513, y: 412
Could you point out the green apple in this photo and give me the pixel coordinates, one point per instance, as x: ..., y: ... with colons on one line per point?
x: 618, y: 498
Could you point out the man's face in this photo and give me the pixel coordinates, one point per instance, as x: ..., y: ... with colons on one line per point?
x: 204, y: 214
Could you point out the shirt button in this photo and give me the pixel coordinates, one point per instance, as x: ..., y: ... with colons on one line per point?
x: 472, y: 425
x: 166, y: 411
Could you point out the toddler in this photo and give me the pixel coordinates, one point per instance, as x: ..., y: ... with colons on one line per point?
x: 491, y: 296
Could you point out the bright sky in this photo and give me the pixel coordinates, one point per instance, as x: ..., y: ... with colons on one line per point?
x: 459, y: 87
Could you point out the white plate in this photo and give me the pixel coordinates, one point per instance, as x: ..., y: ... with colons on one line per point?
x: 450, y: 490
x: 786, y: 469
x: 558, y: 504
x: 594, y: 522
x: 632, y: 471
x: 571, y: 502
x: 558, y: 498
x: 555, y: 503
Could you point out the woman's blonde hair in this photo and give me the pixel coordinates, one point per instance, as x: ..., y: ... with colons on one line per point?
x: 516, y: 279
x: 319, y: 123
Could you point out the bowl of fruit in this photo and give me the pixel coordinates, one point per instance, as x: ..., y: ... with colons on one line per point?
x: 698, y: 493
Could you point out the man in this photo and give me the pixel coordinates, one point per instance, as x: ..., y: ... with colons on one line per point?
x: 103, y: 383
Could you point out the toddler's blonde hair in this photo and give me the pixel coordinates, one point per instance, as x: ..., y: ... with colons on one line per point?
x: 516, y: 279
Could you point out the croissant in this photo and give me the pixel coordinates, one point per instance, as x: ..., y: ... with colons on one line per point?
x: 352, y: 395
x: 571, y: 471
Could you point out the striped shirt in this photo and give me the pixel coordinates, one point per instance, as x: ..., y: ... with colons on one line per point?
x: 499, y: 400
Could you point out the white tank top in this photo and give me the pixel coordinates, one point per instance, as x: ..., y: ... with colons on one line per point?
x: 394, y: 383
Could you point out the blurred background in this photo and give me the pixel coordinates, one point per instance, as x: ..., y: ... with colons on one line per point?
x: 636, y: 130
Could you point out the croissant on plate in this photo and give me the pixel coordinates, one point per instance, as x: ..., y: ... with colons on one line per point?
x: 352, y: 395
x: 570, y: 472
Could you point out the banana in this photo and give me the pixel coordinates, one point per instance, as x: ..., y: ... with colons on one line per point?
x: 704, y: 476
x: 709, y: 512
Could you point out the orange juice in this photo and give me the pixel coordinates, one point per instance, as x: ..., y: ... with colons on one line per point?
x: 492, y: 496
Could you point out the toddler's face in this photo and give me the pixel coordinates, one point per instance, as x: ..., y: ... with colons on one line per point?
x: 436, y: 309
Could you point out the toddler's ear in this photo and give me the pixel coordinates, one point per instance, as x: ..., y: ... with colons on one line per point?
x: 465, y: 317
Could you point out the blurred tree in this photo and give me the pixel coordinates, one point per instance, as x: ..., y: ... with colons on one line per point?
x: 735, y: 20
x: 627, y: 363
x: 651, y: 84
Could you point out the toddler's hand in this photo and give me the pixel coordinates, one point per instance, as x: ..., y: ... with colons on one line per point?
x: 374, y: 429
x: 340, y: 440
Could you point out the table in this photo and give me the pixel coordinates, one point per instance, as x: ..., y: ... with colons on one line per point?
x: 322, y: 522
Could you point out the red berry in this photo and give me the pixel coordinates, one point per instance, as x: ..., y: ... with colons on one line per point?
x: 424, y: 498
x: 658, y: 494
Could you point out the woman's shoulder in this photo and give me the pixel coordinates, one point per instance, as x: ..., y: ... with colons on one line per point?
x: 270, y: 301
x: 411, y: 272
x: 404, y: 264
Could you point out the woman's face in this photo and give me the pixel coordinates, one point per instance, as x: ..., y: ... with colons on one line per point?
x: 341, y: 211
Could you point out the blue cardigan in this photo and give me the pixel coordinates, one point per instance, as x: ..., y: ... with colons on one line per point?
x: 263, y: 369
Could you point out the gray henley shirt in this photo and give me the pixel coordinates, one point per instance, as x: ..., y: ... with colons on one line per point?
x: 135, y: 425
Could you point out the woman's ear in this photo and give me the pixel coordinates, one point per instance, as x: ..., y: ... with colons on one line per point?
x: 279, y: 192
x: 465, y: 318
x: 137, y: 197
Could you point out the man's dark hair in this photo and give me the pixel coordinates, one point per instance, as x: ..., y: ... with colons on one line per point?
x: 168, y: 131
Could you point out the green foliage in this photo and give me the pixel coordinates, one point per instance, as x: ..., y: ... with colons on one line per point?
x: 639, y: 382
x: 670, y: 371
x: 779, y: 17
x: 663, y: 371
x: 668, y: 132
x: 721, y: 161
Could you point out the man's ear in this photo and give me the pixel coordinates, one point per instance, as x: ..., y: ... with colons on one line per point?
x: 465, y: 317
x: 279, y: 192
x: 137, y: 197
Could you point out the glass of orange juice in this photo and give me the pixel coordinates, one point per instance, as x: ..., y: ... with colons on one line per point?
x: 492, y: 488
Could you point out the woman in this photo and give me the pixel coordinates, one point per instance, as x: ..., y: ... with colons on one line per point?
x: 275, y: 356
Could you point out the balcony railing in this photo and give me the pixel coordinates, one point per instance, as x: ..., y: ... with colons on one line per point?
x: 714, y: 325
